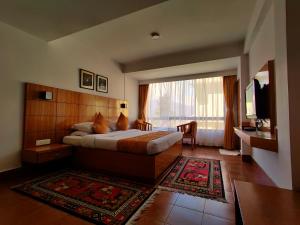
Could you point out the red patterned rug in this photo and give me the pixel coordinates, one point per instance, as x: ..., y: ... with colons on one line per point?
x: 199, y: 177
x: 97, y: 198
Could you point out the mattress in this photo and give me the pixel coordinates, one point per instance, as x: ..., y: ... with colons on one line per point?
x: 109, y: 141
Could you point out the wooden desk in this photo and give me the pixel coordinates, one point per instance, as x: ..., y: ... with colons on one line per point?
x: 258, y: 139
x: 263, y: 205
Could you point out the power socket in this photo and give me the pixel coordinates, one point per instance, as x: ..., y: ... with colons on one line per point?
x: 42, y: 142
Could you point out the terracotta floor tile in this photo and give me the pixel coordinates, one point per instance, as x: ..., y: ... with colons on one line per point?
x: 16, y: 209
x: 213, y: 220
x: 184, y: 216
x: 191, y: 202
x: 220, y: 209
x: 166, y: 197
x: 148, y: 221
x: 157, y: 211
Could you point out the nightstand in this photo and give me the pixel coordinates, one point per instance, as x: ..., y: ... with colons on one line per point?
x: 46, y: 153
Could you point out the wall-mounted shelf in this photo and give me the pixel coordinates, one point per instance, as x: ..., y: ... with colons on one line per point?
x: 258, y: 139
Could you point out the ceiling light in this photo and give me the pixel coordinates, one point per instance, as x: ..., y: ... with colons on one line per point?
x: 155, y: 35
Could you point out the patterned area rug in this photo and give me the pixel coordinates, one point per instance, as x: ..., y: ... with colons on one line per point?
x: 97, y: 198
x: 199, y: 177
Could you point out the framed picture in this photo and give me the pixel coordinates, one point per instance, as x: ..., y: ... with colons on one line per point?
x: 101, y: 83
x: 86, y: 79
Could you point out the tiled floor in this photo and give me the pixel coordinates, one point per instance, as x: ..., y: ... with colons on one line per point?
x: 168, y: 207
x: 171, y: 208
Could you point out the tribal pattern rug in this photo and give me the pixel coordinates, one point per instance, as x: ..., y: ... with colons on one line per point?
x: 199, y: 177
x: 98, y: 198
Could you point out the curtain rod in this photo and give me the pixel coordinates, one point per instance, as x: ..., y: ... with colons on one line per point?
x: 191, y: 77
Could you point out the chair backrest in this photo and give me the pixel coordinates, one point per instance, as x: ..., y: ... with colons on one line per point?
x: 193, y: 128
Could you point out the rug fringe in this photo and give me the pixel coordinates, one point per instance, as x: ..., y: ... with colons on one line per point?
x: 138, y: 214
x: 191, y: 193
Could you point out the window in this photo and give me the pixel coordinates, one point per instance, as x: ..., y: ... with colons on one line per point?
x: 178, y: 102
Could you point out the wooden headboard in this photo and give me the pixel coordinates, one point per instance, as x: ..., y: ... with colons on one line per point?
x: 52, y: 119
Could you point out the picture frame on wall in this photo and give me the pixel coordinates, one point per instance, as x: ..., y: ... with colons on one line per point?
x: 101, y: 83
x: 86, y: 79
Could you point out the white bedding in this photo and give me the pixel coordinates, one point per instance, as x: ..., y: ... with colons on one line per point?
x: 109, y: 141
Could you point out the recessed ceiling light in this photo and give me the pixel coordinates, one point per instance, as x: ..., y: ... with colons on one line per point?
x: 155, y: 35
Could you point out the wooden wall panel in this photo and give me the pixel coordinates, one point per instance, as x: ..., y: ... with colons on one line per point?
x: 53, y: 119
x: 33, y: 91
x: 40, y: 108
x: 67, y: 109
x: 30, y: 138
x: 39, y: 123
x: 87, y: 99
x: 102, y: 101
x: 67, y: 96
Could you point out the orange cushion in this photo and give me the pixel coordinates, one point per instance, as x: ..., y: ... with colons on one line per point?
x: 100, y: 124
x: 122, y: 123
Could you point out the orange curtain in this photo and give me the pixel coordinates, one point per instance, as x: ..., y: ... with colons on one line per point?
x: 143, y: 95
x: 229, y: 91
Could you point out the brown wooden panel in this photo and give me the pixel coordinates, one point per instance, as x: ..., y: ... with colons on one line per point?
x: 67, y: 109
x: 148, y: 167
x: 60, y: 134
x: 33, y: 91
x: 31, y: 137
x: 115, y: 112
x: 65, y: 123
x: 113, y: 103
x: 103, y: 111
x: 39, y: 123
x: 102, y: 101
x: 53, y: 119
x: 67, y: 96
x: 87, y: 99
x: 40, y: 107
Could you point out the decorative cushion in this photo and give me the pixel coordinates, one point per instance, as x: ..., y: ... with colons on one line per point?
x: 100, y: 124
x: 122, y: 123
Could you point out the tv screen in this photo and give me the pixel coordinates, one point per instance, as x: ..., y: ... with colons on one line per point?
x: 250, y: 101
x: 257, y: 104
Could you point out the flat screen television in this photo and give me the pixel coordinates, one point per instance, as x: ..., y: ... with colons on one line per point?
x: 257, y: 103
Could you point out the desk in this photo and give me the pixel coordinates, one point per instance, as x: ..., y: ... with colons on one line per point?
x: 263, y: 205
x: 258, y: 139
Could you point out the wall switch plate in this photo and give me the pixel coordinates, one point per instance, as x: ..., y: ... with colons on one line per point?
x: 42, y: 142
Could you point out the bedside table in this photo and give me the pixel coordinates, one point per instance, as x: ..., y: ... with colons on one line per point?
x: 46, y: 153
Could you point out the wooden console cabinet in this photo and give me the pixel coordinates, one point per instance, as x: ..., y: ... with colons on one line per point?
x: 263, y: 205
x: 258, y: 139
x: 46, y: 153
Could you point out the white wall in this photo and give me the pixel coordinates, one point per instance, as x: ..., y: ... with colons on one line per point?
x: 23, y: 58
x: 270, y: 43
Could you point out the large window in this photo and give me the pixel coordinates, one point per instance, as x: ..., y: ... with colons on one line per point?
x: 178, y: 102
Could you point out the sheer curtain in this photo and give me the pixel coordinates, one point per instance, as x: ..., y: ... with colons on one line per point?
x: 178, y: 102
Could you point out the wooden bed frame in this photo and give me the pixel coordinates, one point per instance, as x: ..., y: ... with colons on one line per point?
x: 142, y: 167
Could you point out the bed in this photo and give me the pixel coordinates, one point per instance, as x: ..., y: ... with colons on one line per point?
x: 122, y: 152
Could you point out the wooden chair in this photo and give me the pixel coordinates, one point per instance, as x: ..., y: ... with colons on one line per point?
x: 143, y: 125
x: 189, y: 130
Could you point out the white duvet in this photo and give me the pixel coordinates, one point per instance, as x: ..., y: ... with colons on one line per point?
x: 109, y: 141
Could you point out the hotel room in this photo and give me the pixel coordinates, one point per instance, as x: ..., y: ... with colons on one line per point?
x: 161, y: 112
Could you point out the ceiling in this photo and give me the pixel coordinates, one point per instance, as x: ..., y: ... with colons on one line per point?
x: 187, y: 69
x: 183, y: 25
x: 121, y: 31
x: 52, y: 19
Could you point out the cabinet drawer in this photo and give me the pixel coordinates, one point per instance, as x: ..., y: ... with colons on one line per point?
x: 53, y: 155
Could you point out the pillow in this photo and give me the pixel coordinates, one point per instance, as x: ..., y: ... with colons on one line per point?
x: 79, y: 133
x: 85, y: 127
x: 122, y: 123
x: 100, y: 125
